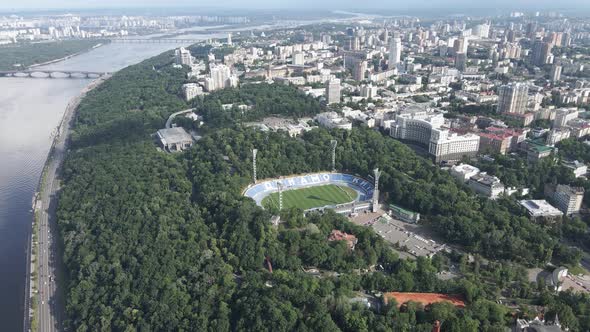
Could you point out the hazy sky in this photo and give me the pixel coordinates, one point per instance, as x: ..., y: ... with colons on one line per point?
x: 300, y: 4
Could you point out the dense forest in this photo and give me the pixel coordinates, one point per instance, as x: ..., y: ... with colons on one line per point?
x: 166, y: 242
x: 23, y: 55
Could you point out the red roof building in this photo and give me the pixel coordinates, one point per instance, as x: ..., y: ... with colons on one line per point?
x: 338, y: 235
x: 500, y: 140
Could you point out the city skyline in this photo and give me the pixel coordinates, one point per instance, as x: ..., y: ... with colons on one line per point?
x: 400, y: 6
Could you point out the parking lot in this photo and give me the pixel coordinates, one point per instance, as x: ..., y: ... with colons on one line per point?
x: 411, y: 239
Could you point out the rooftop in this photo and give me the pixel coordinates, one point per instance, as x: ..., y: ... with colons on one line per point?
x: 173, y: 135
x: 540, y: 208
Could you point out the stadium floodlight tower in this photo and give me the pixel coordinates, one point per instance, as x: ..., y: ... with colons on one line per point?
x: 375, y: 204
x: 254, y: 152
x: 280, y: 186
x: 333, y: 143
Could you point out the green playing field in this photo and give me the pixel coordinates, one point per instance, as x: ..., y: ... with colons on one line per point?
x: 312, y: 197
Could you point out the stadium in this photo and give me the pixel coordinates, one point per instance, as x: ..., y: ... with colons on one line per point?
x: 344, y: 193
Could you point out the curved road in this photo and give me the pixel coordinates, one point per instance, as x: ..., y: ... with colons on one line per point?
x: 173, y: 115
x: 50, y: 304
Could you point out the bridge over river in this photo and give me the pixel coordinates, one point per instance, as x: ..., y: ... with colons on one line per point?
x: 39, y: 73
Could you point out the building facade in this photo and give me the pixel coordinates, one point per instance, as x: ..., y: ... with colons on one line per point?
x: 512, y: 98
x: 568, y: 199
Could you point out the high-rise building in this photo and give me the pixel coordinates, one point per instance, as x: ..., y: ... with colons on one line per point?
x: 460, y: 61
x: 510, y: 36
x: 359, y: 70
x: 385, y: 36
x: 531, y: 30
x: 482, y: 30
x: 369, y: 91
x: 191, y: 90
x: 395, y: 52
x: 333, y: 91
x: 460, y: 45
x: 229, y: 42
x: 356, y: 43
x: 298, y: 58
x: 568, y: 199
x: 220, y: 77
x: 541, y: 54
x: 555, y: 73
x: 183, y: 56
x: 512, y: 98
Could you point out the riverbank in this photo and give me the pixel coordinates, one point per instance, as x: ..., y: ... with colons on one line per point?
x: 43, y: 303
x: 32, y: 55
x: 66, y: 57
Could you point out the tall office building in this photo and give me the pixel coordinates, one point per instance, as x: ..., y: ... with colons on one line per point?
x: 395, y: 52
x: 541, y: 54
x: 333, y: 91
x: 229, y: 42
x: 183, y: 57
x: 512, y: 98
x: 385, y: 37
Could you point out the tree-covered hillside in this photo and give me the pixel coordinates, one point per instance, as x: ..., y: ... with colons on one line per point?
x: 166, y: 242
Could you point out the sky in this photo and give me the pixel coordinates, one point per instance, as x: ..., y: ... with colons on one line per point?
x: 299, y: 4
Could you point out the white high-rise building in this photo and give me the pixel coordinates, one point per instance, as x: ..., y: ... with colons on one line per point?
x: 395, y: 52
x: 333, y: 91
x: 298, y: 59
x: 220, y: 77
x: 369, y: 91
x: 229, y: 42
x: 183, y: 57
x: 191, y: 90
x: 512, y: 98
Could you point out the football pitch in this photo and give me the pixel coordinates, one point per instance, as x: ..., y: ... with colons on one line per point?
x: 312, y: 197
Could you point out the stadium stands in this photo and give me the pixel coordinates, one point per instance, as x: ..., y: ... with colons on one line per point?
x: 266, y: 187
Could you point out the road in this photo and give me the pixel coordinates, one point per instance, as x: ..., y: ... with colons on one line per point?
x: 173, y: 115
x: 50, y: 304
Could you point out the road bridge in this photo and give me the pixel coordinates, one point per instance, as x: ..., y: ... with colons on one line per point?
x: 183, y: 41
x: 39, y: 73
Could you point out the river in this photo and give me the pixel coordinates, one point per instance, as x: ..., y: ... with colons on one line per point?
x: 30, y: 110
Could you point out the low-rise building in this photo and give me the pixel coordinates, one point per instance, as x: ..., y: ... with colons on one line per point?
x: 337, y: 235
x: 540, y: 209
x: 578, y: 168
x: 464, y: 172
x: 557, y: 135
x: 333, y: 120
x: 403, y: 214
x: 486, y: 185
x: 174, y: 139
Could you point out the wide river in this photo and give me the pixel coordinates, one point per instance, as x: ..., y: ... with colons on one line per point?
x: 30, y: 110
